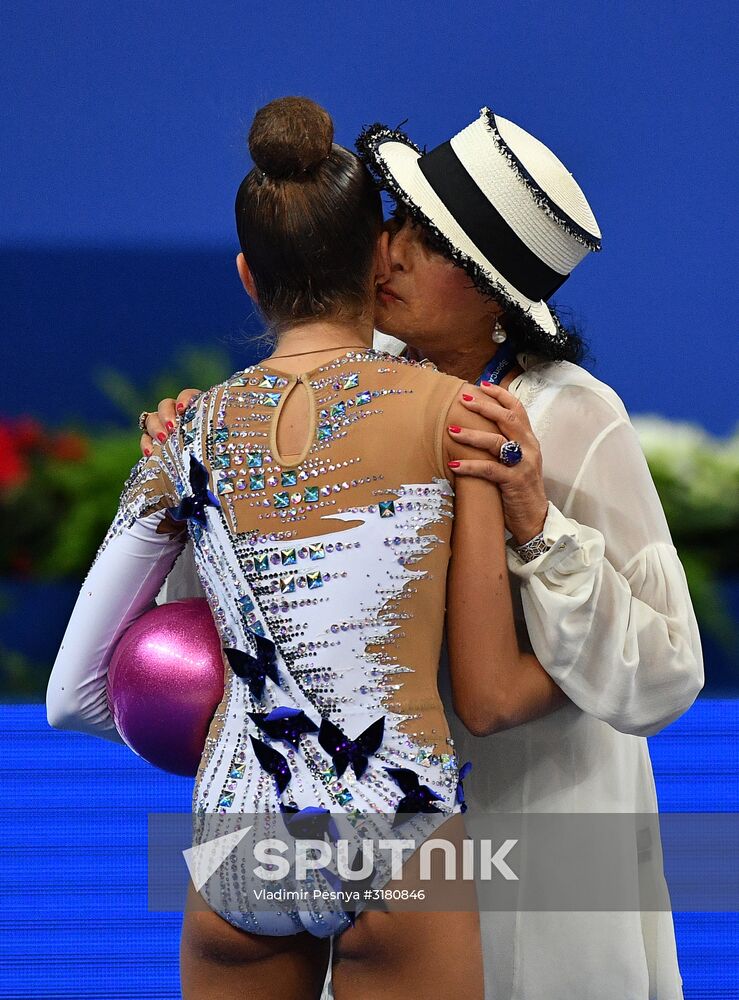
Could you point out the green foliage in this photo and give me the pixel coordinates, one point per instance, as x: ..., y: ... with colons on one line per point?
x: 87, y: 492
x: 66, y: 485
x: 193, y: 368
x: 697, y: 478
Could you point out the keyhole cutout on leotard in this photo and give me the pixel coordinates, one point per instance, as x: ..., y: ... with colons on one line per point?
x: 293, y: 424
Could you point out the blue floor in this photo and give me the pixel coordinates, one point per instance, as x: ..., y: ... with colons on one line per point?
x: 74, y: 922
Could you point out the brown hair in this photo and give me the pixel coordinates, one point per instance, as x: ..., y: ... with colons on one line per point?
x: 308, y: 216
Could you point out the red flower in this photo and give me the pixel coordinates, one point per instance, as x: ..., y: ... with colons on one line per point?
x: 13, y: 467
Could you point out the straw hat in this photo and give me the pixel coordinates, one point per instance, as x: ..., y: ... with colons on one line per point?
x: 499, y: 203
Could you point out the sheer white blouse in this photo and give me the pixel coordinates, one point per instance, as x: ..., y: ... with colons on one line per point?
x: 607, y: 609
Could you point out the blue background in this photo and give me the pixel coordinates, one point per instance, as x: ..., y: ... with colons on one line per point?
x: 124, y: 142
x: 124, y: 131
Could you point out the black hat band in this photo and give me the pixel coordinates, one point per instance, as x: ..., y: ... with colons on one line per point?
x: 486, y: 227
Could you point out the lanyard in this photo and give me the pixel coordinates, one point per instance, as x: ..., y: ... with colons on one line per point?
x: 502, y: 362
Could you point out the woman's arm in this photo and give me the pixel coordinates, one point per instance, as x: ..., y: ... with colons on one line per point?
x: 607, y: 607
x: 494, y: 685
x: 129, y: 568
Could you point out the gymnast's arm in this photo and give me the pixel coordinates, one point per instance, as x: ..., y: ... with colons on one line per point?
x: 494, y: 684
x: 126, y: 575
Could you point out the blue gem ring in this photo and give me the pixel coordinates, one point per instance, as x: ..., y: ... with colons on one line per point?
x: 511, y: 453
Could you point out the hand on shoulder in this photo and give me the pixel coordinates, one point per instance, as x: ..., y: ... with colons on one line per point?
x: 160, y: 423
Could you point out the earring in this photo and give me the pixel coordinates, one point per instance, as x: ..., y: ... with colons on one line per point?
x: 499, y: 334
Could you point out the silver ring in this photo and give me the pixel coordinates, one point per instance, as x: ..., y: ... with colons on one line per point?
x: 142, y: 419
x: 511, y: 453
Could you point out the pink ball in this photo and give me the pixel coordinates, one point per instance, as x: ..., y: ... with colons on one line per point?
x: 165, y: 682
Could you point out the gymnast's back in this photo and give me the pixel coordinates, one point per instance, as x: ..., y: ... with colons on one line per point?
x: 325, y: 571
x: 334, y: 558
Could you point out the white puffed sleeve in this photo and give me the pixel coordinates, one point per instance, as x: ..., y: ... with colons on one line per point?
x: 135, y: 557
x: 607, y: 608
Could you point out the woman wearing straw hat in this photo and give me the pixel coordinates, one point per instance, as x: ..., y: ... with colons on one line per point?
x: 489, y: 225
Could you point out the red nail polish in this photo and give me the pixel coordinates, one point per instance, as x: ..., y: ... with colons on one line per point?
x: 453, y: 465
x: 161, y: 436
x: 486, y: 383
x: 169, y: 425
x: 467, y: 397
x: 147, y: 452
x: 454, y: 429
x: 180, y: 407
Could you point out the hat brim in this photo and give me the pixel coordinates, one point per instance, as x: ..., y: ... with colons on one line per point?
x: 395, y: 158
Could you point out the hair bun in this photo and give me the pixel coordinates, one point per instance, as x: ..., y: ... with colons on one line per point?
x: 290, y: 136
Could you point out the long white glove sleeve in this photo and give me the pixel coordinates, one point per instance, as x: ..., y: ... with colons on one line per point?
x: 124, y: 580
x: 607, y: 607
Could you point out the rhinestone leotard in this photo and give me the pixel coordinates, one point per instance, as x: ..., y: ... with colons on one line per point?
x: 326, y: 574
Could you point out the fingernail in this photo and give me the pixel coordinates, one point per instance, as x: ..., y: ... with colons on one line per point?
x: 169, y: 425
x: 453, y: 465
x: 454, y: 429
x: 486, y: 383
x: 161, y: 436
x: 180, y: 407
x: 467, y: 397
x: 147, y: 452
